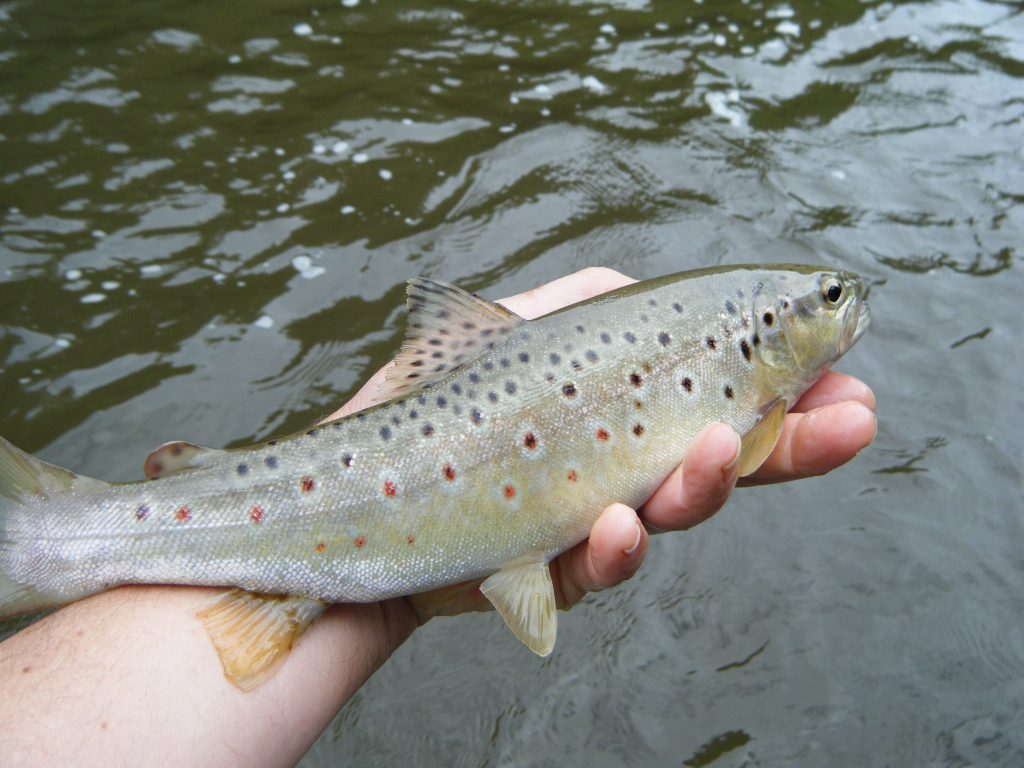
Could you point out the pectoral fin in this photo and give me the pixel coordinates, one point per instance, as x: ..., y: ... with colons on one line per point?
x: 253, y: 633
x: 759, y: 441
x: 525, y: 598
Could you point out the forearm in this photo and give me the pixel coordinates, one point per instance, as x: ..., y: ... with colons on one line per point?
x: 130, y: 677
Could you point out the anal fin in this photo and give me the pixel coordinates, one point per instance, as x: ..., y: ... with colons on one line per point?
x: 254, y: 632
x: 759, y: 441
x: 525, y: 598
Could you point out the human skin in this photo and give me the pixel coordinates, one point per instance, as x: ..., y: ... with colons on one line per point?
x: 129, y: 676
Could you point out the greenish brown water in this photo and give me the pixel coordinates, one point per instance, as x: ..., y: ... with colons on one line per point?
x: 207, y: 215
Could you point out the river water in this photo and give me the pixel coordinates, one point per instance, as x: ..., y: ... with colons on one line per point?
x: 207, y: 213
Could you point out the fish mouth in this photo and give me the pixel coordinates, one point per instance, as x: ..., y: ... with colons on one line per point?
x: 855, y: 323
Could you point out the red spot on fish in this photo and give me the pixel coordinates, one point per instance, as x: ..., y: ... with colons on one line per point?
x: 183, y: 515
x: 530, y: 440
x: 448, y: 471
x: 602, y: 434
x: 176, y: 450
x: 410, y: 539
x: 510, y: 491
x: 360, y: 541
x: 320, y: 547
x: 308, y: 484
x: 390, y: 489
x: 256, y: 514
x: 571, y: 477
x: 158, y: 468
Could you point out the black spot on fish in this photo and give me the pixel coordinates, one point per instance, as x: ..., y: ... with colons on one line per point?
x: 444, y: 314
x: 554, y: 358
x: 580, y: 329
x: 412, y: 376
x: 437, y: 355
x: 756, y: 340
x: 652, y: 303
x: 435, y: 342
x: 524, y: 357
x: 413, y: 414
x: 728, y: 391
x: 468, y: 325
x: 347, y: 459
x: 664, y: 339
x: 416, y: 363
x: 710, y: 341
x: 270, y: 461
x: 488, y: 365
x: 486, y: 331
x: 395, y: 420
x: 629, y: 337
x: 605, y: 337
x: 312, y: 432
x: 576, y: 365
x: 505, y: 362
x: 274, y: 442
x: 757, y: 289
x: 441, y: 402
x: 635, y: 379
x: 569, y: 389
x: 638, y: 429
x: 385, y: 433
x: 421, y: 399
x: 440, y: 367
x: 768, y: 318
x: 687, y: 384
x: 644, y: 318
x: 492, y: 396
x: 591, y: 355
x: 745, y: 349
x: 678, y: 307
x: 730, y: 307
x: 242, y: 469
x: 474, y: 377
x: 427, y: 430
x: 510, y: 387
x: 785, y: 303
x: 475, y: 415
x: 456, y: 389
x: 457, y: 410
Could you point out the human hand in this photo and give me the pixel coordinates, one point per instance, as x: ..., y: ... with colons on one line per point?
x: 830, y: 424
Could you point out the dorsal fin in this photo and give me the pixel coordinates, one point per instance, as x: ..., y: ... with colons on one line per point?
x: 447, y: 327
x: 177, y: 456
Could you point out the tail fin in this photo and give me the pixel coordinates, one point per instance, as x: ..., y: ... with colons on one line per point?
x: 23, y: 478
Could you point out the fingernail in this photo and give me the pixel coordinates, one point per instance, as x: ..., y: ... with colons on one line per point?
x: 735, y: 460
x: 636, y: 542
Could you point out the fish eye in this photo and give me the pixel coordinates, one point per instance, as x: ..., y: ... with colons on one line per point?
x: 832, y: 291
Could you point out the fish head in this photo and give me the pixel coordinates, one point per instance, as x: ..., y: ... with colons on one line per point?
x: 805, y: 319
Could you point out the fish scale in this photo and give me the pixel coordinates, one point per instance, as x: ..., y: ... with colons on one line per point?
x: 500, y: 442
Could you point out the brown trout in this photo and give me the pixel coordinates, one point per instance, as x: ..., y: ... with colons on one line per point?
x: 499, y: 443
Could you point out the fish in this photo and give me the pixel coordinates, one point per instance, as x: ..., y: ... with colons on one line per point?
x: 497, y: 444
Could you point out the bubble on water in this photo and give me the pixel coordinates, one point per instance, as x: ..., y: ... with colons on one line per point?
x: 319, y: 149
x: 73, y: 274
x: 385, y: 174
x: 234, y: 58
x: 608, y: 29
x: 302, y: 29
x: 720, y: 40
x: 110, y: 285
x: 265, y: 321
x: 360, y: 157
x: 513, y: 99
x: 304, y: 266
x: 545, y: 112
x: 747, y: 50
x: 782, y: 12
x: 93, y: 298
x: 507, y: 128
x: 350, y: 3
x: 733, y: 29
x: 788, y: 28
x: 717, y: 101
x: 283, y: 208
x: 347, y: 209
x: 62, y: 343
x: 503, y: 67
x: 542, y: 89
x: 279, y: 152
x: 218, y: 277
x: 594, y: 85
x: 98, y: 233
x: 661, y: 26
x: 340, y: 147
x: 288, y: 175
x: 406, y: 121
x: 150, y: 269
x: 838, y: 174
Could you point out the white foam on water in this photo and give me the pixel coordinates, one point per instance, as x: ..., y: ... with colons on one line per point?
x: 288, y: 175
x: 283, y: 208
x: 62, y: 343
x: 73, y: 274
x: 385, y: 174
x: 150, y: 269
x: 93, y: 298
x: 234, y: 58
x: 716, y: 101
x: 838, y: 174
x: 594, y: 85
x: 720, y: 40
x: 340, y: 147
x: 782, y: 12
x: 350, y: 3
x: 360, y: 157
x: 110, y: 285
x: 788, y: 28
x: 302, y: 29
x: 608, y: 29
x: 319, y: 149
x: 264, y: 321
x: 347, y: 209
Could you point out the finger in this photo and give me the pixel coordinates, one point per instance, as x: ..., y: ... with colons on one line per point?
x: 700, y: 485
x: 614, y: 551
x: 564, y: 291
x: 816, y: 442
x: 835, y: 388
